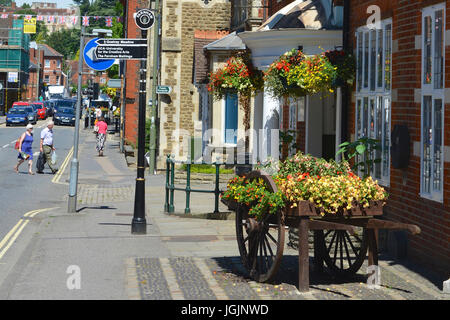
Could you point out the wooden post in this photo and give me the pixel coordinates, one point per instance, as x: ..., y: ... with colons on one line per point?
x: 303, y: 255
x: 318, y: 254
x: 372, y: 236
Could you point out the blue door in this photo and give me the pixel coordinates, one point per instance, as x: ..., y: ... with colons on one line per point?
x: 231, y: 117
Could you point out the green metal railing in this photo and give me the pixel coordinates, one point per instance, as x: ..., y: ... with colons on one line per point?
x: 170, y: 185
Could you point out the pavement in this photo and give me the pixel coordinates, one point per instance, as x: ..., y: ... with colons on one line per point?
x: 92, y: 254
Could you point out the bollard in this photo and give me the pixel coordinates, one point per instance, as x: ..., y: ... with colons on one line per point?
x: 166, y: 202
x: 216, y: 191
x: 188, y: 186
x: 172, y: 185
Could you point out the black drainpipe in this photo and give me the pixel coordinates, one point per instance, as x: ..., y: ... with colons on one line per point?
x: 346, y: 90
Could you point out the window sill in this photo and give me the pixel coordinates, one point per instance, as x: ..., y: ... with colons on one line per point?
x: 430, y: 197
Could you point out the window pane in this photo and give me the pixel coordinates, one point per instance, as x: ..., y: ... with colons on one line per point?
x: 427, y: 133
x: 437, y: 166
x: 439, y: 46
x: 372, y: 119
x: 365, y: 118
x: 378, y: 134
x: 427, y: 50
x: 366, y: 60
x: 358, y: 120
x: 387, y: 58
x: 387, y: 137
x: 380, y: 59
x: 360, y: 60
x: 373, y: 56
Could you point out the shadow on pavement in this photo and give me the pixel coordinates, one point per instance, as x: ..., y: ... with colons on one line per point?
x: 97, y: 208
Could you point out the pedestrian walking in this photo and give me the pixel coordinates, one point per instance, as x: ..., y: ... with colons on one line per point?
x: 47, y: 146
x: 25, y: 149
x: 101, y: 135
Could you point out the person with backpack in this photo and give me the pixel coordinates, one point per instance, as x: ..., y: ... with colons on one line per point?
x: 25, y: 149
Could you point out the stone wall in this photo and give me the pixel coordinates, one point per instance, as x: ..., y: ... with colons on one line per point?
x: 180, y: 21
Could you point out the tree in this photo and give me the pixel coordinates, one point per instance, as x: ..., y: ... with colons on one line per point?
x: 66, y: 42
x: 5, y: 3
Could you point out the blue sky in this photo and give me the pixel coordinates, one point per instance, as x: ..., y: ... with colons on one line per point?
x: 60, y: 3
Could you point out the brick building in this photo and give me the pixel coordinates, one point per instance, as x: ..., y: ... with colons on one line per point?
x: 36, y: 74
x: 52, y: 65
x: 403, y: 78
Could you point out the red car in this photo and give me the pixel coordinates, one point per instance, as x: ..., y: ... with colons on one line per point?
x: 20, y: 104
x: 41, y: 110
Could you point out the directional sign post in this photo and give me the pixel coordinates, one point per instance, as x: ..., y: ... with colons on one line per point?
x: 123, y: 49
x: 91, y: 60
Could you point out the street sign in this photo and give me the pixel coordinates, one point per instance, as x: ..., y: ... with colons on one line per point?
x: 144, y: 19
x: 123, y: 49
x: 91, y: 60
x: 163, y: 89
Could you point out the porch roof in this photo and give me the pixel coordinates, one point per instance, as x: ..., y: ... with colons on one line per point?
x: 229, y: 42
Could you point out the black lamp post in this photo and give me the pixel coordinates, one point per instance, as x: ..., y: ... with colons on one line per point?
x: 139, y: 223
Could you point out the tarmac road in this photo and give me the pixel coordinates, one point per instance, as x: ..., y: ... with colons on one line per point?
x: 21, y: 193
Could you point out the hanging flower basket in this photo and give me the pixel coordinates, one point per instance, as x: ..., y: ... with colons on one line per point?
x: 237, y: 76
x: 295, y: 74
x: 345, y: 67
x: 276, y: 76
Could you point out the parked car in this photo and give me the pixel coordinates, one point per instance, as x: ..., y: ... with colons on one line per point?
x: 64, y: 116
x: 16, y: 116
x: 31, y: 111
x: 41, y: 109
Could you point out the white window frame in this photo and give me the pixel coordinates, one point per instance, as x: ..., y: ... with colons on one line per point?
x: 46, y: 63
x: 379, y: 95
x: 428, y: 90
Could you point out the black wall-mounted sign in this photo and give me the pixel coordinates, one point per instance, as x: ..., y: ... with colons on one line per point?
x: 144, y: 19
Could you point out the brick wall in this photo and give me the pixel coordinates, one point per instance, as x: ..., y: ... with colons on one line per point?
x: 132, y: 74
x: 432, y: 246
x: 275, y: 5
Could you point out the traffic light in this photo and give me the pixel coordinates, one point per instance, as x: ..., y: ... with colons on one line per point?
x: 90, y: 90
x: 96, y: 91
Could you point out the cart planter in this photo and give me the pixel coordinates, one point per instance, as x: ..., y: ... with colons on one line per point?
x: 337, y: 242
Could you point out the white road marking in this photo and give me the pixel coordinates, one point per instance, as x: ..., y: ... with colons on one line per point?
x: 5, y: 145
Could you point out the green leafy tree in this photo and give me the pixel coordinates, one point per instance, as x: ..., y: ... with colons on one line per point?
x: 66, y: 42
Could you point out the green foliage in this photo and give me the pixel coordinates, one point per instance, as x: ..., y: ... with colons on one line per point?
x: 66, y: 42
x: 363, y: 152
x: 5, y: 3
x: 206, y: 168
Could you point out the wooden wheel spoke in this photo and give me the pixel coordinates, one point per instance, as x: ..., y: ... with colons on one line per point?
x: 355, y: 251
x: 263, y: 244
x: 336, y: 247
x: 272, y: 238
x: 331, y: 242
x: 346, y: 250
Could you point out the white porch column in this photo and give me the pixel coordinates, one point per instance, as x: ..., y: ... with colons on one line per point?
x: 338, y: 120
x: 270, y: 127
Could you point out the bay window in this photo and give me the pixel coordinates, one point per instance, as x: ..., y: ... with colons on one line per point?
x: 432, y: 111
x: 373, y: 93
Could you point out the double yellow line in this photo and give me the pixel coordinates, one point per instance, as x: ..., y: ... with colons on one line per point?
x: 12, y: 235
x: 58, y: 175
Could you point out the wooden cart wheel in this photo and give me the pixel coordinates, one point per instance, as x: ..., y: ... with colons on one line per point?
x: 261, y: 243
x: 343, y: 252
